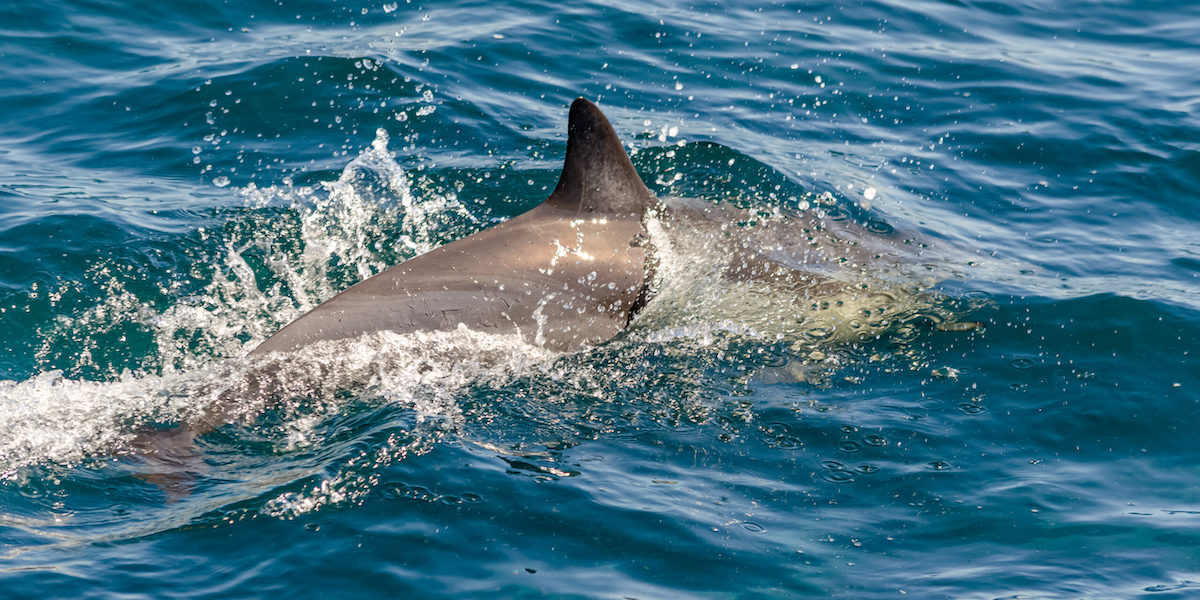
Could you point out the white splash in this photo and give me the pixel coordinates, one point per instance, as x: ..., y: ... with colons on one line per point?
x: 262, y: 280
x: 425, y: 372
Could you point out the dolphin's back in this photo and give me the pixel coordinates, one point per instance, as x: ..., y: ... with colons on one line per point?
x: 564, y: 275
x: 559, y: 281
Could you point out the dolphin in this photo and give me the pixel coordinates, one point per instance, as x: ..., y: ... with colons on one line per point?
x: 573, y: 271
x: 568, y: 274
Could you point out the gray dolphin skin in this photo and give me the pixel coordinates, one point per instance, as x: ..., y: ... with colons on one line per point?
x: 567, y: 274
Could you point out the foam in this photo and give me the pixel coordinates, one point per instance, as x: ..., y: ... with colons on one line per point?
x: 200, y: 338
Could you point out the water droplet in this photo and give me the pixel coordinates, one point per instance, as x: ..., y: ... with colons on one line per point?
x: 753, y: 527
x: 945, y: 373
x: 838, y: 477
x: 971, y: 408
x: 880, y: 227
x: 961, y: 326
x: 819, y: 332
x: 777, y: 428
x: 836, y: 213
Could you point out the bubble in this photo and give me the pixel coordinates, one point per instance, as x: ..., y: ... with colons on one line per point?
x: 819, y: 332
x: 880, y: 227
x: 838, y: 477
x: 971, y: 408
x: 1021, y: 363
x: 836, y: 213
x: 753, y: 527
x: 777, y: 429
x: 945, y: 373
x: 961, y: 326
x: 780, y: 436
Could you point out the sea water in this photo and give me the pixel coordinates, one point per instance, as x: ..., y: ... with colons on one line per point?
x: 179, y: 179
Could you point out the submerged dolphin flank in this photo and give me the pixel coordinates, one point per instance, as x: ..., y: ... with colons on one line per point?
x: 567, y: 274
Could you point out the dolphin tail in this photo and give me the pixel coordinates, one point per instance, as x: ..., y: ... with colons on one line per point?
x: 170, y: 459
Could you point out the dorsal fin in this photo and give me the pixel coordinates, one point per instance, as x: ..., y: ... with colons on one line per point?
x: 597, y: 176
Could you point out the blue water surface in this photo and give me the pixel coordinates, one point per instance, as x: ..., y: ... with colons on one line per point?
x: 179, y: 178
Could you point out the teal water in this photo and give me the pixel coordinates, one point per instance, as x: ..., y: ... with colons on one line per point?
x: 178, y: 179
